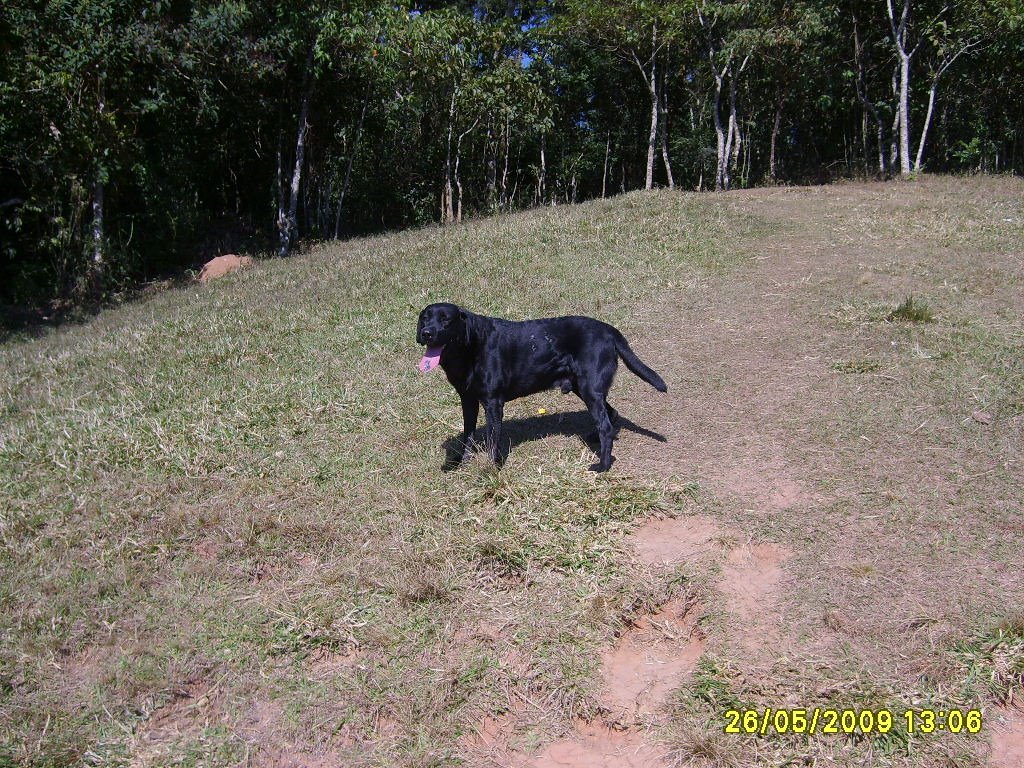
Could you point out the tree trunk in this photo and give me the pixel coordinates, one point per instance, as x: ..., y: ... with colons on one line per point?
x: 503, y: 200
x: 541, y: 174
x: 604, y: 173
x: 946, y: 64
x: 348, y: 167
x: 721, y: 176
x: 651, y: 81
x: 894, y: 130
x: 290, y: 230
x: 867, y: 104
x: 927, y: 124
x: 98, y: 265
x: 899, y: 39
x: 904, y: 114
x: 772, y: 156
x: 882, y: 168
x: 447, y: 211
x: 664, y: 134
x: 458, y: 160
x: 733, y: 139
x: 98, y: 258
x: 747, y: 159
x: 280, y: 183
x: 458, y: 189
x: 652, y: 136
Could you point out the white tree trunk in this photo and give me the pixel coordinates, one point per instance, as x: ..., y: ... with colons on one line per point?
x: 504, y: 171
x: 290, y: 229
x: 447, y: 210
x: 458, y: 160
x: 927, y: 125
x: 946, y: 64
x: 904, y: 108
x: 721, y: 176
x: 899, y: 30
x: 652, y: 136
x: 541, y: 174
x: 734, y: 141
x: 663, y: 127
x: 98, y: 258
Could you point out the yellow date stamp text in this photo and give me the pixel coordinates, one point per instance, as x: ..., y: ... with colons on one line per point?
x: 824, y: 720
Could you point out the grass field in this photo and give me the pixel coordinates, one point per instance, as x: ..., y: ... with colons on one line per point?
x: 225, y: 538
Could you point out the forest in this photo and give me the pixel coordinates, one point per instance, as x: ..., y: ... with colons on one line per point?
x: 139, y: 138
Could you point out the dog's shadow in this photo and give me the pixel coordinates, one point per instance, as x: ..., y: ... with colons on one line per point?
x: 515, y: 432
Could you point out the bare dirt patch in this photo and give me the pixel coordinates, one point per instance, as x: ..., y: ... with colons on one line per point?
x: 659, y: 651
x: 596, y: 745
x: 223, y: 265
x: 674, y: 540
x: 748, y: 585
x: 650, y: 660
x: 864, y: 446
x: 191, y: 708
x: 1007, y: 738
x: 271, y: 747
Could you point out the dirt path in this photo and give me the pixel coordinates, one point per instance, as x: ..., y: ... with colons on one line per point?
x: 834, y: 489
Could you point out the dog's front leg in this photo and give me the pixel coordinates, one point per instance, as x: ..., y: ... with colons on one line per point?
x: 460, y: 449
x: 494, y: 409
x: 470, y: 412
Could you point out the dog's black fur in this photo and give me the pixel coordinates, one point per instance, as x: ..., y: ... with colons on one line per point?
x: 490, y: 361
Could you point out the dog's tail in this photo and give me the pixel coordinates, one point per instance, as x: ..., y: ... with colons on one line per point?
x: 636, y: 365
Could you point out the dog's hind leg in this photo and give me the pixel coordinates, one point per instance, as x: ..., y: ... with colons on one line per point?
x: 614, y: 417
x: 598, y: 407
x: 612, y: 413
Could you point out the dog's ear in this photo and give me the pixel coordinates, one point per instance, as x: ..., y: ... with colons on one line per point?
x: 466, y: 325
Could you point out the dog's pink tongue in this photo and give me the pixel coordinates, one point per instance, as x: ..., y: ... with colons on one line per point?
x: 431, y: 359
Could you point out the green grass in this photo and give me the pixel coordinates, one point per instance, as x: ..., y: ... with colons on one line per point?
x: 233, y: 481
x: 913, y: 311
x: 994, y: 662
x: 856, y: 366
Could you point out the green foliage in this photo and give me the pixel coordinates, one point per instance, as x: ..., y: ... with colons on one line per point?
x: 184, y: 115
x: 856, y: 366
x: 913, y: 311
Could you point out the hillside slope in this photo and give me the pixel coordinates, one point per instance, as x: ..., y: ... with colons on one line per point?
x: 227, y: 539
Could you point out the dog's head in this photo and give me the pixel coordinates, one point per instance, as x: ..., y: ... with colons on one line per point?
x: 438, y: 326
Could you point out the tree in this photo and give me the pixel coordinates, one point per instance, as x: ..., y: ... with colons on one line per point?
x: 640, y: 33
x: 944, y: 31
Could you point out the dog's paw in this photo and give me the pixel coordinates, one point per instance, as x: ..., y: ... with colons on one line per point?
x: 455, y: 460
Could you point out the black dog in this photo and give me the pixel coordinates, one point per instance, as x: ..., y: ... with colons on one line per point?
x: 492, y: 361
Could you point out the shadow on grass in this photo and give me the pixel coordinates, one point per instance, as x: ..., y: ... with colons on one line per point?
x: 515, y: 432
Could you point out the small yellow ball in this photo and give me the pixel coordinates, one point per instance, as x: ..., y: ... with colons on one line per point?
x: 542, y: 411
